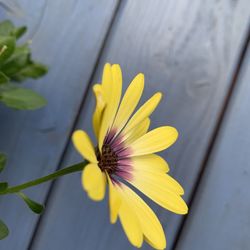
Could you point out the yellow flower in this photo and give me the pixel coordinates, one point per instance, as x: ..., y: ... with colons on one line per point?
x: 125, y: 154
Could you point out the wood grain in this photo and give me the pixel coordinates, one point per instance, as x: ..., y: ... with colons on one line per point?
x: 219, y: 217
x: 187, y: 51
x: 68, y: 38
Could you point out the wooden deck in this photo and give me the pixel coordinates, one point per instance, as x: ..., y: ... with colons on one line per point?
x: 196, y: 54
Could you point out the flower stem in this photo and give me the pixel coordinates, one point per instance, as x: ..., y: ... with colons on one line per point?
x: 68, y: 170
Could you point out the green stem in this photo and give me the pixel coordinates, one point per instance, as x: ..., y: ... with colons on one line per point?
x: 71, y: 169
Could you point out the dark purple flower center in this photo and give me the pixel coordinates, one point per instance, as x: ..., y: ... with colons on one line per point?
x: 114, y: 158
x: 108, y: 159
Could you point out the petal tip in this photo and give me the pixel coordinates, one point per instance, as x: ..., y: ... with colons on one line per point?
x: 158, y: 96
x: 116, y: 65
x: 187, y: 209
x: 96, y: 87
x: 76, y: 133
x: 107, y: 64
x: 176, y: 133
x: 184, y: 210
x: 172, y: 131
x: 140, y: 77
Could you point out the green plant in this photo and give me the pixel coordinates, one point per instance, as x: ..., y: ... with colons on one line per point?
x: 16, y: 65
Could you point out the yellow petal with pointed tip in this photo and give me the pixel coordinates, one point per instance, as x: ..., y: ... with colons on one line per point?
x: 129, y: 102
x: 143, y: 112
x: 130, y: 222
x: 94, y: 182
x: 114, y: 201
x: 100, y: 105
x: 154, y: 141
x: 138, y: 131
x: 113, y: 94
x: 84, y: 145
x: 151, y: 163
x: 151, y: 227
x: 157, y: 190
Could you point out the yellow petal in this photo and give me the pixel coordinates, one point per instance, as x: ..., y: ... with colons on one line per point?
x: 159, y: 179
x: 138, y: 131
x: 100, y: 105
x: 143, y: 112
x: 107, y: 80
x: 84, y: 145
x: 113, y: 93
x: 149, y: 222
x: 129, y: 102
x: 130, y: 222
x: 94, y: 181
x: 154, y: 141
x: 152, y: 244
x: 158, y: 189
x: 151, y: 163
x: 117, y: 88
x: 116, y: 74
x: 114, y: 201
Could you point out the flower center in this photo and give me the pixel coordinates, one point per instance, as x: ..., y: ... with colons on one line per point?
x: 107, y: 161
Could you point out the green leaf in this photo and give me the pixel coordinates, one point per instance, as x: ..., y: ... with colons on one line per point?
x: 3, y: 186
x: 7, y: 47
x: 34, y: 206
x: 3, y: 161
x: 21, y: 98
x: 4, y: 231
x: 18, y: 32
x: 17, y: 61
x: 3, y: 78
x: 34, y: 70
x: 6, y: 27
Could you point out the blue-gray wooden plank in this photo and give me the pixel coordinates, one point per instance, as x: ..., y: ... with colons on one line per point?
x: 187, y: 51
x: 68, y: 37
x: 219, y: 217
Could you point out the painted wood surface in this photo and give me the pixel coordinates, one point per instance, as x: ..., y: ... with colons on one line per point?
x: 187, y: 51
x: 219, y: 217
x: 67, y: 36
